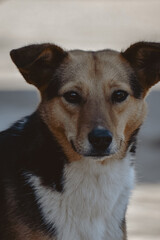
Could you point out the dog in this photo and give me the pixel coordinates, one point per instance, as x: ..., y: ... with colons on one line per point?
x: 67, y: 170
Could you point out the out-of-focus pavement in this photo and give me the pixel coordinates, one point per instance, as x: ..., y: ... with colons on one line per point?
x: 88, y: 25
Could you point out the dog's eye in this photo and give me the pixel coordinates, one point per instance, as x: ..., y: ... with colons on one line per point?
x: 119, y: 96
x: 72, y: 97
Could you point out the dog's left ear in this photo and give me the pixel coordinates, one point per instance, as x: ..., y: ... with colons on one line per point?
x: 144, y: 58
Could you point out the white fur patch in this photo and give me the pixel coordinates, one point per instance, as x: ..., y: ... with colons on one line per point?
x: 93, y: 203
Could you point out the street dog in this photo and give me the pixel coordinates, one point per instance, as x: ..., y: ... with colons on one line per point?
x: 67, y: 170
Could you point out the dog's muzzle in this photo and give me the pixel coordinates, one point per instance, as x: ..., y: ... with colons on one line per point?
x: 99, y: 144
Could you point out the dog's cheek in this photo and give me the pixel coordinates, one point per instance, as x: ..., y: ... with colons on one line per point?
x: 58, y: 118
x: 120, y: 117
x: 70, y: 127
x: 137, y: 113
x: 60, y: 125
x: 69, y: 122
x: 129, y: 120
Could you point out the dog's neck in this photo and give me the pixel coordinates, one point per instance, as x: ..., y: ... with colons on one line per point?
x: 93, y: 202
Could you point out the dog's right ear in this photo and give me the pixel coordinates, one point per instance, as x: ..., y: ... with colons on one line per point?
x: 37, y: 63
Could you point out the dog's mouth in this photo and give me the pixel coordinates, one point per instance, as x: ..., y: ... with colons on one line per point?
x: 92, y: 152
x: 97, y: 154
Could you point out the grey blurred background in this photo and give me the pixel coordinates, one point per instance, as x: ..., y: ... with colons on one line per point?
x: 88, y: 25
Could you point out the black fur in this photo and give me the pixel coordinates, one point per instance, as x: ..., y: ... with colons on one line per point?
x: 29, y: 148
x: 135, y: 86
x: 144, y: 58
x: 133, y: 141
x: 38, y: 62
x: 53, y: 87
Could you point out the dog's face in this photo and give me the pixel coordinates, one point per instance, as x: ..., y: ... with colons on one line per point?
x: 93, y: 102
x: 94, y: 109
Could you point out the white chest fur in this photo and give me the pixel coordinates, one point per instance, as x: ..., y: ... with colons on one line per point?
x: 93, y: 203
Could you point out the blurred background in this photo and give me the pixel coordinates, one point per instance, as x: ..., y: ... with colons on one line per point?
x: 89, y: 25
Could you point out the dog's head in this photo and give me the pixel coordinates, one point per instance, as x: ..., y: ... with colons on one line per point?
x: 93, y: 102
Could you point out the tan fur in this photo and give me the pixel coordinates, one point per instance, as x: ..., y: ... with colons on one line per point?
x: 23, y: 232
x: 17, y: 229
x: 95, y: 76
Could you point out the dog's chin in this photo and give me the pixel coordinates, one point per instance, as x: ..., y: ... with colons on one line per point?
x: 92, y: 153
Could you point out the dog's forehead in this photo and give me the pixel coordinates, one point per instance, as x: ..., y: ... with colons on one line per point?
x: 106, y: 65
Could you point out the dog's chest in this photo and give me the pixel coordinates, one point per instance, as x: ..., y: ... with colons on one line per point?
x: 93, y: 203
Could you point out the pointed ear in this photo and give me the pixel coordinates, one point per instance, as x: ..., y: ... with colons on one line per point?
x: 37, y: 63
x: 144, y: 58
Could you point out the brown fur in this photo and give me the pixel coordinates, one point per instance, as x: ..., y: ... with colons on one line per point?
x: 144, y: 58
x: 21, y: 231
x: 96, y: 84
x: 17, y: 229
x: 95, y: 76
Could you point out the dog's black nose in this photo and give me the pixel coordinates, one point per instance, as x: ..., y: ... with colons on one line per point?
x: 100, y: 139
